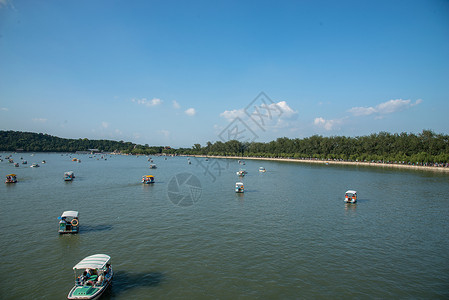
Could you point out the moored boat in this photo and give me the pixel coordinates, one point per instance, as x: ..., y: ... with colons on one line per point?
x: 69, y: 222
x: 11, y: 178
x: 147, y: 179
x: 351, y: 196
x: 93, y: 275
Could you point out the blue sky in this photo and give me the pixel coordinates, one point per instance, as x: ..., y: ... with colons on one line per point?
x: 180, y: 72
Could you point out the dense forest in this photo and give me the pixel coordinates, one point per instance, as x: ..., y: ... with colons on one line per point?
x: 39, y: 142
x: 423, y: 148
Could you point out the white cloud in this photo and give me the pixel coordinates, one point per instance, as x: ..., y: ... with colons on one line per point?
x: 39, y: 120
x: 3, y: 109
x: 176, y: 104
x: 384, y: 108
x: 6, y: 3
x: 165, y: 133
x: 118, y: 131
x: 232, y: 114
x: 326, y: 124
x: 190, y: 112
x: 149, y: 103
x: 104, y: 124
x: 287, y: 112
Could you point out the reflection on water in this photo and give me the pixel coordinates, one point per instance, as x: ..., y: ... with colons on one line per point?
x: 94, y: 228
x: 127, y: 280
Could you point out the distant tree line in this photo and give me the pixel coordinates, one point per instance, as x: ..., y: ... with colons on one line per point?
x: 39, y: 142
x: 423, y: 148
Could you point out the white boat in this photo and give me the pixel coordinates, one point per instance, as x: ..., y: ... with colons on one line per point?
x: 34, y: 166
x: 95, y: 275
x: 239, y: 188
x: 262, y: 169
x: 69, y: 222
x: 242, y: 172
x: 351, y: 196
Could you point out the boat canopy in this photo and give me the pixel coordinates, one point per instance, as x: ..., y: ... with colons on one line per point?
x: 148, y: 176
x: 11, y: 175
x: 351, y: 192
x: 96, y: 261
x: 70, y: 213
x: 239, y: 183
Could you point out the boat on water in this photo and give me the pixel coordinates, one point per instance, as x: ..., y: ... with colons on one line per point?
x: 351, y: 196
x: 34, y: 166
x: 68, y: 176
x: 239, y: 188
x: 93, y: 275
x: 16, y: 164
x: 153, y: 166
x: 24, y: 162
x: 44, y: 162
x: 147, y: 179
x: 69, y: 222
x: 242, y: 172
x: 262, y: 169
x: 11, y: 178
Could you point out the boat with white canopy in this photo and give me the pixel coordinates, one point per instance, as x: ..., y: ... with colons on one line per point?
x: 351, y: 196
x: 93, y: 275
x: 239, y: 187
x: 69, y: 222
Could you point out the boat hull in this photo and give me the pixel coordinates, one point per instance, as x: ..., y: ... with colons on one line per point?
x: 87, y: 292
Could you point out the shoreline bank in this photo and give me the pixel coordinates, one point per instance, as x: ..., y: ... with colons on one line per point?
x: 332, y: 162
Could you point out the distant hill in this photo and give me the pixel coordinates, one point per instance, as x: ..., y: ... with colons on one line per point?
x: 40, y: 142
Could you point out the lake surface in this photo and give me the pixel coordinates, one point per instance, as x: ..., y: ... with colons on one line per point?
x: 289, y: 236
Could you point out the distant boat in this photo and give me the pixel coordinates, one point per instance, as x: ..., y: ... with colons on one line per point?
x: 242, y: 172
x: 351, y: 196
x: 262, y: 169
x: 68, y: 176
x: 153, y: 166
x: 239, y: 187
x: 147, y: 179
x: 69, y: 222
x: 11, y: 178
x: 34, y: 166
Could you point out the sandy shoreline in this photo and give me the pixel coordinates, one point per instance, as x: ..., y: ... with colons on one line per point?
x: 331, y: 162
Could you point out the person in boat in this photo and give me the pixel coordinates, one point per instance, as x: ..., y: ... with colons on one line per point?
x: 100, y: 279
x: 82, y: 278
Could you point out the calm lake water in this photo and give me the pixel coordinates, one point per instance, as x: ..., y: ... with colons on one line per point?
x: 289, y: 236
